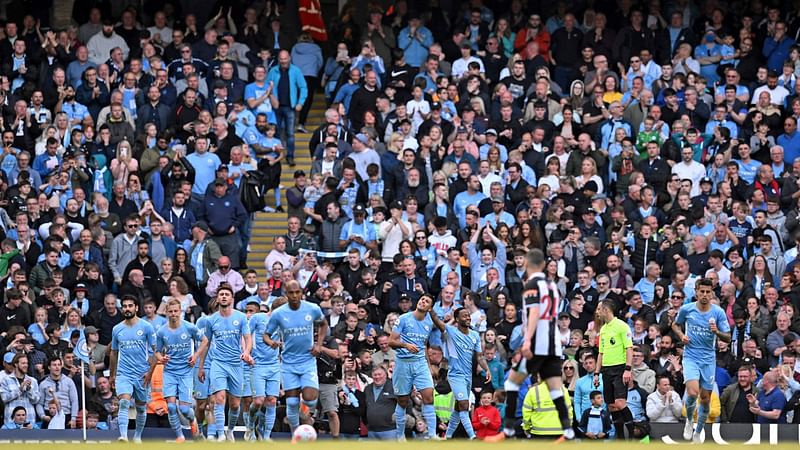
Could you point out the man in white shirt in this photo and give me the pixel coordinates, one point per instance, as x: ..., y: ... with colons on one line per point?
x: 689, y: 169
x: 776, y: 92
x: 461, y: 65
x: 664, y: 405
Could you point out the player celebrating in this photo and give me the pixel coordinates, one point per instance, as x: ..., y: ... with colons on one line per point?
x: 409, y: 336
x: 266, y: 375
x: 228, y: 331
x: 202, y: 388
x: 541, y: 349
x: 174, y: 349
x: 462, y: 344
x: 614, y: 362
x: 703, y: 323
x: 296, y: 322
x: 133, y: 342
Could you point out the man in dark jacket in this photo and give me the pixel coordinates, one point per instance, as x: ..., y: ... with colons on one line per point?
x: 225, y: 214
x: 380, y: 406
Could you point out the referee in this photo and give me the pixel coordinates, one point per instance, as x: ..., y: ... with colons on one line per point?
x: 616, y: 353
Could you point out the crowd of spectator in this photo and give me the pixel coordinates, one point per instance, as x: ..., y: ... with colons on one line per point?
x: 642, y: 146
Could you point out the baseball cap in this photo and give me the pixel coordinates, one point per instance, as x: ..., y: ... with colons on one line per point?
x: 89, y: 330
x: 491, y: 131
x: 397, y: 204
x: 363, y: 138
x: 222, y: 167
x: 299, y: 173
x: 497, y: 200
x: 359, y: 209
x: 462, y: 129
x: 706, y: 180
x: 220, y: 182
x: 201, y: 224
x: 8, y: 357
x: 436, y: 105
x: 590, y: 186
x: 81, y: 287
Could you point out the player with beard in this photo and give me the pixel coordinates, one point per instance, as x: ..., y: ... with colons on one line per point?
x: 133, y: 341
x: 229, y: 332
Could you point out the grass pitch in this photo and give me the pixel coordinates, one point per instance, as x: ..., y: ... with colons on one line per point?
x: 377, y: 445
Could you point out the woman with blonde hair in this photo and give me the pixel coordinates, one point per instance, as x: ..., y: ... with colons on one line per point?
x: 589, y: 173
x: 569, y: 375
x: 124, y: 163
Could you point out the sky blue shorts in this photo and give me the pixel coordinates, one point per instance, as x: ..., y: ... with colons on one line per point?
x: 178, y: 385
x: 410, y: 373
x: 298, y: 377
x: 266, y: 381
x: 134, y: 387
x: 704, y: 372
x: 227, y: 377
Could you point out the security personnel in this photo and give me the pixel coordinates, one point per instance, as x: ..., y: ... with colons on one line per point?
x: 539, y: 415
x: 157, y: 407
x: 225, y: 215
x: 443, y: 402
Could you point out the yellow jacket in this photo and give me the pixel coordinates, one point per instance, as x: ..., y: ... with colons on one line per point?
x: 539, y: 415
x: 715, y: 408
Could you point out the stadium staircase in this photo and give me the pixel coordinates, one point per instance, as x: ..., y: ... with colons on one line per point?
x: 268, y: 225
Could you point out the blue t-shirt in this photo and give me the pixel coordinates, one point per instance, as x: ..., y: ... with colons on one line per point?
x: 178, y: 345
x: 413, y: 331
x: 297, y: 329
x: 205, y: 169
x: 459, y: 349
x: 157, y: 321
x: 263, y: 354
x: 702, y: 342
x: 770, y: 402
x: 226, y: 333
x: 749, y: 170
x: 134, y: 344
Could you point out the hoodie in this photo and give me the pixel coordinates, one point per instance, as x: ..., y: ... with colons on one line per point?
x: 308, y: 57
x: 645, y: 377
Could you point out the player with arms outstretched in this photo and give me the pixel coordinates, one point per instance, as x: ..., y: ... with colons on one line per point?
x: 699, y: 325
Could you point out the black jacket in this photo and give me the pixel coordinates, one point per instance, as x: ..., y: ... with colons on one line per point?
x: 379, y: 412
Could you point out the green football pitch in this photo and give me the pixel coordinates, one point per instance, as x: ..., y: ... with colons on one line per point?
x: 373, y: 445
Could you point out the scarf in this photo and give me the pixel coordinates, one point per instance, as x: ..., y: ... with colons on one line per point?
x: 735, y: 338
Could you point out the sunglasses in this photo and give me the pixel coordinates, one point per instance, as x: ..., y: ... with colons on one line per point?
x: 224, y: 267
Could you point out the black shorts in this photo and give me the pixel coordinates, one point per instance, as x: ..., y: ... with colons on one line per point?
x: 544, y: 366
x: 613, y: 387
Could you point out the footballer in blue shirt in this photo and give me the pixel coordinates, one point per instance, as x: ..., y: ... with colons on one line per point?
x: 230, y: 341
x: 462, y: 346
x: 175, y: 350
x: 266, y: 376
x: 296, y: 322
x: 409, y: 337
x: 699, y: 325
x: 133, y: 345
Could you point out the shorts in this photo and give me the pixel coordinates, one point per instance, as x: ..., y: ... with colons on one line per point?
x: 704, y: 373
x: 544, y: 366
x: 613, y: 386
x: 266, y: 381
x: 226, y: 377
x: 328, y: 397
x: 460, y: 385
x: 410, y: 373
x: 247, y: 376
x: 134, y: 387
x: 178, y: 386
x: 299, y: 377
x: 202, y: 389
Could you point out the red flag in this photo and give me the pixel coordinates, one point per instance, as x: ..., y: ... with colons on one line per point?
x: 311, y: 20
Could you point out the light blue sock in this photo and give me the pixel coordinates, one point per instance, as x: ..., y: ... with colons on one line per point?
x: 702, y: 416
x: 141, y: 420
x: 312, y: 407
x: 233, y: 418
x: 293, y: 412
x: 277, y: 197
x: 219, y: 418
x: 187, y: 411
x: 268, y: 421
x: 452, y: 426
x: 253, y: 415
x: 430, y: 419
x: 246, y: 420
x: 174, y: 420
x: 467, y: 422
x: 691, y: 402
x: 122, y: 417
x: 400, y: 421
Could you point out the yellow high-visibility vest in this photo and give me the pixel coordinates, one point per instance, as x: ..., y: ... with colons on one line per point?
x: 539, y: 415
x: 443, y: 404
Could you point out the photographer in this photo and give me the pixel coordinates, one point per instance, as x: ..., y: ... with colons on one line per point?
x: 329, y: 373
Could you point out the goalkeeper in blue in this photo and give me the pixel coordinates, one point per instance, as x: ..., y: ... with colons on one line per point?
x: 133, y: 345
x: 174, y: 348
x: 462, y: 347
x: 699, y: 325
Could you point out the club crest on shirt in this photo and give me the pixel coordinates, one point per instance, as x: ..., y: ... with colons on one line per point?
x: 139, y: 332
x: 184, y: 336
x: 308, y: 317
x: 236, y: 323
x: 427, y: 328
x: 460, y: 395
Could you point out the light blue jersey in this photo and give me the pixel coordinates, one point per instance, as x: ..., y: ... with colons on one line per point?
x: 413, y: 331
x: 460, y: 350
x: 297, y: 329
x: 157, y: 321
x: 134, y: 344
x: 178, y: 344
x: 226, y: 334
x: 263, y: 354
x: 202, y: 324
x: 702, y: 342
